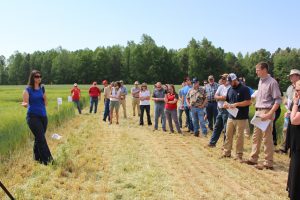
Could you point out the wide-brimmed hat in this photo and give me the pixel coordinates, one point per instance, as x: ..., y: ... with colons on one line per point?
x: 294, y: 71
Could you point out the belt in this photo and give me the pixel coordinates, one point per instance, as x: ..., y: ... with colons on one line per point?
x: 258, y: 109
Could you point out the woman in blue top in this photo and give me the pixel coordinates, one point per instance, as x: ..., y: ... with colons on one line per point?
x: 34, y: 99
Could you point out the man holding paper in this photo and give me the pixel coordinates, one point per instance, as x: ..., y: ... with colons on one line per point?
x: 268, y: 99
x: 237, y: 103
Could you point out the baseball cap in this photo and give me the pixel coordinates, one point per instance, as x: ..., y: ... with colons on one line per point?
x: 231, y: 77
x: 195, y: 80
x: 104, y: 82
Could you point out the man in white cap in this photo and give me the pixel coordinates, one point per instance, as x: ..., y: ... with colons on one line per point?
x: 238, y: 96
x: 294, y: 76
x: 135, y: 92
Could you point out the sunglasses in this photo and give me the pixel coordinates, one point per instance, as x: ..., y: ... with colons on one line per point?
x: 37, y: 76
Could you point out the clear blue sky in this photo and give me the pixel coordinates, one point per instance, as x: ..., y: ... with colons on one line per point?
x: 234, y: 25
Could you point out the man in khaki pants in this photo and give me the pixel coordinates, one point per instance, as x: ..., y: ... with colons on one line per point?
x: 238, y: 96
x: 268, y: 99
x: 135, y: 92
x: 123, y: 98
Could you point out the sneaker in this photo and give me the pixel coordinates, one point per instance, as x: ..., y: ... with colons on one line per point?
x: 280, y: 151
x: 249, y: 162
x: 261, y: 167
x: 211, y: 145
x: 225, y: 156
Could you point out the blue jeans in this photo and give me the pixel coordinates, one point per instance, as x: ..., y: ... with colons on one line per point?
x: 93, y: 100
x: 159, y: 110
x: 189, y: 118
x: 180, y: 112
x: 220, y: 124
x: 212, y: 112
x: 106, y: 109
x: 198, y: 116
x: 77, y: 103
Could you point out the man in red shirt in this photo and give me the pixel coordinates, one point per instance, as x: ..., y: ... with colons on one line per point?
x: 95, y: 94
x: 75, y: 92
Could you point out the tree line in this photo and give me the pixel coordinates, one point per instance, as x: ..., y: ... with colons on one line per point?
x: 145, y: 62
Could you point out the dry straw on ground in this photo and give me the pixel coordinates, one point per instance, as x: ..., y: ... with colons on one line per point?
x: 95, y: 160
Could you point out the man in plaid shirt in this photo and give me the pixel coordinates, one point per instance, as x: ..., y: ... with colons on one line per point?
x: 212, y: 107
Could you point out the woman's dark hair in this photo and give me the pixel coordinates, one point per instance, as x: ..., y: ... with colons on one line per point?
x: 31, y: 78
x: 172, y: 86
x: 118, y: 83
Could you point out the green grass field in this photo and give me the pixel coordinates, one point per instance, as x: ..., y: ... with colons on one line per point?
x: 13, y: 128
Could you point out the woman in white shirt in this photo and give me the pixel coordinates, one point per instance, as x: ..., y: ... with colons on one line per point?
x: 145, y: 104
x: 115, y: 97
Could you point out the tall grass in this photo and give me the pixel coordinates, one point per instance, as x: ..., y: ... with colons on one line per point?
x: 14, y: 132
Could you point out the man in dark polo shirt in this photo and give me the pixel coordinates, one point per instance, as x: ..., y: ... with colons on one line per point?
x: 238, y: 96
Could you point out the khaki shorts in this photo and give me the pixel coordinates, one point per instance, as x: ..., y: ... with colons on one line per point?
x: 114, y: 105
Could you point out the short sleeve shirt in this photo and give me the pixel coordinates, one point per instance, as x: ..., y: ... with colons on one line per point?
x: 184, y: 92
x: 239, y: 94
x: 211, y: 91
x: 196, y: 96
x: 159, y: 94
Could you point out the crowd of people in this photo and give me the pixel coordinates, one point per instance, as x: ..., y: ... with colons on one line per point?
x: 207, y: 106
